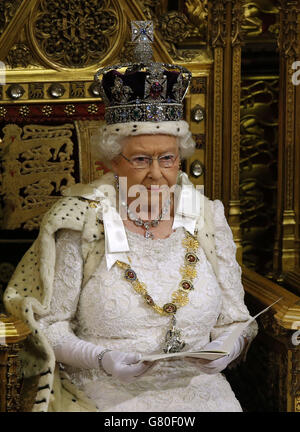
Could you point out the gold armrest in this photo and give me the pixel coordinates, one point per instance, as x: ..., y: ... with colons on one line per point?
x: 12, y: 333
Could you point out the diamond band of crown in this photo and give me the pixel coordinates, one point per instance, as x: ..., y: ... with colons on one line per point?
x: 143, y: 91
x: 143, y: 113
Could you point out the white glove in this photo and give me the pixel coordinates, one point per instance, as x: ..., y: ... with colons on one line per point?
x: 77, y: 353
x: 215, y: 366
x: 124, y: 365
x: 81, y: 354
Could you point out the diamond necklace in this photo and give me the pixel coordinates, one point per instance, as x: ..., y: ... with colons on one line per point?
x: 148, y: 224
x: 173, y: 341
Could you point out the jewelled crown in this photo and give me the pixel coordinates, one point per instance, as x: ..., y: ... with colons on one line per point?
x: 143, y: 91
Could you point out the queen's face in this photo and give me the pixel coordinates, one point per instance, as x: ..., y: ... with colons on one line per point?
x: 149, y: 187
x: 151, y: 146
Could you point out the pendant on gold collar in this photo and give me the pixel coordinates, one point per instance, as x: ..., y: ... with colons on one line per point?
x: 173, y: 341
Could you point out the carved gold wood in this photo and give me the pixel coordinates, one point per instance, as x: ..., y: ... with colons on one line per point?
x: 178, y: 28
x: 280, y: 327
x: 271, y: 368
x: 234, y: 201
x: 73, y: 34
x: 217, y: 32
x: 12, y: 333
x: 78, y: 23
x: 265, y: 291
x: 90, y: 166
x: 258, y: 170
x: 37, y: 164
x: 15, y: 25
x: 199, y: 96
x: 227, y: 57
x: 10, y: 384
x: 286, y: 256
x: 7, y: 11
x: 226, y: 19
x: 253, y: 25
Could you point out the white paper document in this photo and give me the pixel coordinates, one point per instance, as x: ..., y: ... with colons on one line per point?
x: 224, y: 349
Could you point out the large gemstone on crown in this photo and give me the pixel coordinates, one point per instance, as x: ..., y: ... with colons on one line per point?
x: 155, y: 113
x: 155, y: 90
x: 136, y: 114
x: 120, y: 115
x: 172, y: 112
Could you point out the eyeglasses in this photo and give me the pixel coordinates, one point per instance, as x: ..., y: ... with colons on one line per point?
x: 143, y: 162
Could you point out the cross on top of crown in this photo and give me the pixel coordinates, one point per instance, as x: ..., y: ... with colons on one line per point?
x: 142, y: 31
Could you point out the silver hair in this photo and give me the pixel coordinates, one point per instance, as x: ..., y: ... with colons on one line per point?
x: 106, y: 147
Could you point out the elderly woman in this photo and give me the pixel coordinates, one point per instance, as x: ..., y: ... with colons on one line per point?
x: 108, y: 280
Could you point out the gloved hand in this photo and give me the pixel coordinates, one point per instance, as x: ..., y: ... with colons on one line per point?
x: 124, y: 365
x: 215, y: 366
x: 81, y: 354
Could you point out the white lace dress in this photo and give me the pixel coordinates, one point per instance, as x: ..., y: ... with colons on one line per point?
x: 108, y: 312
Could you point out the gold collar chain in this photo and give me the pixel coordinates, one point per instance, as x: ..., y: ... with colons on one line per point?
x: 179, y: 297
